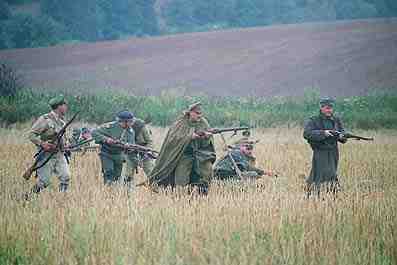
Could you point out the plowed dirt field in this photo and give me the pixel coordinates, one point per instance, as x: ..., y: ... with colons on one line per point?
x: 341, y: 59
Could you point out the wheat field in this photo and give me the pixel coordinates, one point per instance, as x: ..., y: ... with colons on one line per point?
x: 264, y: 222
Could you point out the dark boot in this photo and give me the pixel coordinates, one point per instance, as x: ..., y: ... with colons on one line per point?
x: 202, y: 189
x: 63, y: 187
x: 36, y: 189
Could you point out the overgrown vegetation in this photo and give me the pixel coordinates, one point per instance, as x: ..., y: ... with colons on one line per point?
x: 366, y: 112
x: 60, y: 21
x: 238, y: 223
x: 10, y: 81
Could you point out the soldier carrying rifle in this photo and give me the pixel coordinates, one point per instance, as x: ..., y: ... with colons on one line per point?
x: 112, y: 155
x: 323, y: 132
x: 318, y: 133
x: 47, y: 133
x: 117, y: 141
x: 187, y: 153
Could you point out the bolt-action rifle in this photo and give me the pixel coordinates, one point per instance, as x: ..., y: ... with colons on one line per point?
x: 204, y: 134
x: 222, y: 130
x: 39, y: 156
x: 135, y: 148
x: 347, y: 135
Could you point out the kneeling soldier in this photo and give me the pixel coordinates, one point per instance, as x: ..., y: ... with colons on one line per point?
x: 241, y: 157
x: 112, y: 155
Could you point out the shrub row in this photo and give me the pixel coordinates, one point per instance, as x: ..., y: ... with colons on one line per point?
x: 365, y: 112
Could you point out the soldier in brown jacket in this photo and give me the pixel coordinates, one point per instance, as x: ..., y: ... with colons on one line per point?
x: 43, y: 134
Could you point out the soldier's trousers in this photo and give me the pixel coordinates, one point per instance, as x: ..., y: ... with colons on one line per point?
x: 111, y: 168
x: 58, y: 166
x: 185, y: 173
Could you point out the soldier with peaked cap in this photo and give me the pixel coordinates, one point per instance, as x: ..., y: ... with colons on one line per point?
x: 246, y: 139
x: 43, y: 134
x: 111, y: 155
x: 187, y: 153
x: 318, y: 132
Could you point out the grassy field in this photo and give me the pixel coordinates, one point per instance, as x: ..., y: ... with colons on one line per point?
x: 268, y: 222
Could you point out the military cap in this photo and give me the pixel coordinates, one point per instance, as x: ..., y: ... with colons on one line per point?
x: 327, y: 102
x: 125, y: 115
x: 57, y: 101
x: 195, y: 106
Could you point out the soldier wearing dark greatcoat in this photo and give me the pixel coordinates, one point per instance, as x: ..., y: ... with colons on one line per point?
x: 319, y: 131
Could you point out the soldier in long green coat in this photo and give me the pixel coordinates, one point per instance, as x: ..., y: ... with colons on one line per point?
x: 187, y: 153
x: 318, y: 132
x: 240, y: 156
x: 111, y: 155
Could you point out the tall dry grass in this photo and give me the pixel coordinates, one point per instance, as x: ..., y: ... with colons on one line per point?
x: 268, y: 222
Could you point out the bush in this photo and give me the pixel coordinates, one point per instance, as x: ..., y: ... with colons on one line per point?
x: 10, y: 81
x: 367, y: 112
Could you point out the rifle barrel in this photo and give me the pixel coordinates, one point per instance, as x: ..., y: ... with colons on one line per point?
x: 231, y: 129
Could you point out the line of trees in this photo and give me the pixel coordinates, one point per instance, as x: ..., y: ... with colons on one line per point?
x: 74, y: 20
x: 188, y: 15
x: 92, y: 20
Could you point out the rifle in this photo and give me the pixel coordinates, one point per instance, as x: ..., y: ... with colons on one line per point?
x: 222, y: 130
x: 79, y: 146
x: 130, y: 148
x: 40, y: 154
x: 91, y: 148
x: 351, y: 136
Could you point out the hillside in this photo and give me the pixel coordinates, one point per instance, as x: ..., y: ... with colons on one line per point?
x: 341, y: 59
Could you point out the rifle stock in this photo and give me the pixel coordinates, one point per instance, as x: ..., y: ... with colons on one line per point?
x: 28, y: 172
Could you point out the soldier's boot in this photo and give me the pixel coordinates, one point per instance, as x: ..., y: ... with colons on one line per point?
x: 335, y: 188
x: 36, y: 189
x: 202, y: 189
x: 308, y: 190
x: 108, y: 177
x: 63, y: 187
x: 129, y: 183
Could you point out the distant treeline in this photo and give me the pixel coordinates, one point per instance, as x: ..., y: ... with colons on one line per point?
x: 364, y: 112
x: 60, y: 21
